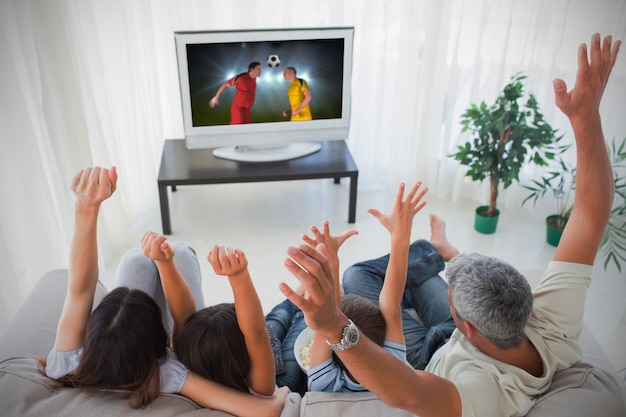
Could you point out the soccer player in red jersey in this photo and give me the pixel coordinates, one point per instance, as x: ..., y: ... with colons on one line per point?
x: 245, y: 85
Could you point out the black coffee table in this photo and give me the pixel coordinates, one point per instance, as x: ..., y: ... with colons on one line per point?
x: 181, y: 166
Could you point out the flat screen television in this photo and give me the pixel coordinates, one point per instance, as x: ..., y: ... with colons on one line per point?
x: 258, y: 125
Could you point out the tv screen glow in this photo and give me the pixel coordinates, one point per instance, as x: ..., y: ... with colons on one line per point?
x: 322, y: 58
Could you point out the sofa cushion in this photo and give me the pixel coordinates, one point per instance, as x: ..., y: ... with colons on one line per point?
x: 26, y: 392
x: 582, y: 390
x: 353, y: 404
x: 32, y: 330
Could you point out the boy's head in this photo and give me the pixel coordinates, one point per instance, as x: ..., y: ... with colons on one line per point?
x: 367, y: 317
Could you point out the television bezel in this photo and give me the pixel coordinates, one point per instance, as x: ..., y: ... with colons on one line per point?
x: 267, y: 133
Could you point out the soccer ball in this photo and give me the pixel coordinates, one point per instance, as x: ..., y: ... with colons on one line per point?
x: 273, y: 61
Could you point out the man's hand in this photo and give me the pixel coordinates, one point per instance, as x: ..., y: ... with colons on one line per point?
x: 92, y: 186
x: 321, y: 312
x: 155, y: 247
x: 591, y: 79
x: 214, y: 102
x: 227, y: 261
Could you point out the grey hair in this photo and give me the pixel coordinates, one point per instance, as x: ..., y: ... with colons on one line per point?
x: 492, y: 295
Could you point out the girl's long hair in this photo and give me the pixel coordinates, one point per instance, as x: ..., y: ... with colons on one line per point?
x: 124, y: 340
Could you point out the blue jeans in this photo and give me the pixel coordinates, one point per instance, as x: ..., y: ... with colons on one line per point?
x: 425, y: 292
x: 288, y: 322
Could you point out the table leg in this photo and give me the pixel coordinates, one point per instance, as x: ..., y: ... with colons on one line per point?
x: 165, y: 210
x: 352, y: 204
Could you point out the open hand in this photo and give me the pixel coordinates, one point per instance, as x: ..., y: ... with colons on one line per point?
x: 400, y: 220
x: 155, y: 247
x: 591, y: 78
x: 330, y: 242
x: 227, y: 261
x: 310, y: 266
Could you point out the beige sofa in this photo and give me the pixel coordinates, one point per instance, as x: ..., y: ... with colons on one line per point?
x: 591, y: 388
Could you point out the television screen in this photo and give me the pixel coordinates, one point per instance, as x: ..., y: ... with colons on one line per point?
x: 262, y: 88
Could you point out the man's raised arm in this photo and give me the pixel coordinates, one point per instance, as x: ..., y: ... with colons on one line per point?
x: 594, y: 176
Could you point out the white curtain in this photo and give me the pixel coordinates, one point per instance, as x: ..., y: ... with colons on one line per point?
x: 87, y: 82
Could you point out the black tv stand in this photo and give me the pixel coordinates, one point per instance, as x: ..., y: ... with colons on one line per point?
x: 182, y: 166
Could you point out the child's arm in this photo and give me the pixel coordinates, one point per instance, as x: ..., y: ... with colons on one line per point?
x: 320, y: 351
x: 233, y: 263
x: 399, y: 223
x: 332, y: 244
x: 177, y: 293
x: 210, y: 394
x: 91, y: 187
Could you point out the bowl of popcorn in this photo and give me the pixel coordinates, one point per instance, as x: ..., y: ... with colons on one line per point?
x: 302, y: 348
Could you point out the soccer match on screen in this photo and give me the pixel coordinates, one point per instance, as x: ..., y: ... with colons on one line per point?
x: 267, y: 81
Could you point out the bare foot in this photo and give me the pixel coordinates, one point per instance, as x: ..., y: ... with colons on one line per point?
x: 439, y: 240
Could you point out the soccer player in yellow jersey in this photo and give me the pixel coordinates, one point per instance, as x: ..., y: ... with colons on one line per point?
x: 299, y: 97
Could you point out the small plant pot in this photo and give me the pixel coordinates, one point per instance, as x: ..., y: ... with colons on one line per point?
x: 484, y: 224
x: 553, y: 232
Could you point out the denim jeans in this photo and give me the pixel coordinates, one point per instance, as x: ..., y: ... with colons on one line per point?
x: 425, y: 292
x: 138, y: 271
x: 288, y: 322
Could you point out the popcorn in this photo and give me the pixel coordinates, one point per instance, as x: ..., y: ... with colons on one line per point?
x: 305, y: 355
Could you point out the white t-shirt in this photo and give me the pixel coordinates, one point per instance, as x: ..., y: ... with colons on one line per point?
x: 173, y: 373
x: 489, y: 387
x: 329, y: 377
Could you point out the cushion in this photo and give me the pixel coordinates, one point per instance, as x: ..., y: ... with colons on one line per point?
x: 354, y: 404
x: 26, y: 392
x: 582, y: 390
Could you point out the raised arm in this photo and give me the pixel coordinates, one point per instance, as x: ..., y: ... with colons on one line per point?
x: 320, y: 351
x: 210, y: 394
x: 177, y: 293
x: 399, y: 223
x: 594, y: 176
x: 233, y: 263
x: 420, y: 393
x: 91, y: 187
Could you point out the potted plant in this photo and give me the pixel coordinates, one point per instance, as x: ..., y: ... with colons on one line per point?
x: 560, y: 182
x: 506, y: 134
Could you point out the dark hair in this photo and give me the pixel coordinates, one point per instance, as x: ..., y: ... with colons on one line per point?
x: 292, y: 69
x: 253, y: 65
x: 212, y: 345
x: 124, y: 340
x: 366, y: 316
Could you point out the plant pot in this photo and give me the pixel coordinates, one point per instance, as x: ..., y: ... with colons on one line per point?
x: 484, y: 224
x: 553, y: 232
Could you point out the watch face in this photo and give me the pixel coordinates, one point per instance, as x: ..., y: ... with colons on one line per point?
x: 352, y: 336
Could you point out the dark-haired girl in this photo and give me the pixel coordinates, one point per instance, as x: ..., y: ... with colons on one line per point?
x: 123, y: 343
x: 226, y: 343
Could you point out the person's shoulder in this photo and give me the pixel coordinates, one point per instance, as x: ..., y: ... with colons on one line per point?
x: 558, y: 271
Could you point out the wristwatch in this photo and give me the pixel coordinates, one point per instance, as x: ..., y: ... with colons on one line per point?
x: 349, y: 338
